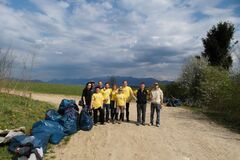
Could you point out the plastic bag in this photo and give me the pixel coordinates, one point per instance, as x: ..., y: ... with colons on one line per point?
x: 66, y: 104
x: 69, y: 121
x: 52, y: 115
x: 85, y: 121
x: 22, y: 145
x: 47, y: 131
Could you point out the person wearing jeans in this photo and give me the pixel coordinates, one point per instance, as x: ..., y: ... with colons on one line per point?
x: 106, y: 92
x: 141, y: 104
x: 96, y: 105
x: 128, y: 92
x: 113, y: 103
x: 156, y: 103
x: 120, y: 102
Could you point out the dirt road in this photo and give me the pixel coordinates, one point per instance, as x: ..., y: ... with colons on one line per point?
x: 183, y: 135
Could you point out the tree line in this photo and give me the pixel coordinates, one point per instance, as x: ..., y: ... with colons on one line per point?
x: 209, y: 81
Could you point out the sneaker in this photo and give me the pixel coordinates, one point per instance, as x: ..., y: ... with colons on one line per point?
x: 143, y: 124
x: 151, y: 124
x: 158, y: 125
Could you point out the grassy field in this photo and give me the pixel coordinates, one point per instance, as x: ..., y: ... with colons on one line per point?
x: 46, y: 87
x: 17, y: 111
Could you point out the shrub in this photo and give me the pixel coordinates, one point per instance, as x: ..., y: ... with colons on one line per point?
x: 191, y: 77
x: 216, y: 89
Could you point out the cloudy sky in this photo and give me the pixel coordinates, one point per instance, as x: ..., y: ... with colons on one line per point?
x: 91, y: 38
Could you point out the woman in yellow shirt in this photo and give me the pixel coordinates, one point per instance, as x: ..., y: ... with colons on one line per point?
x: 121, y: 102
x: 97, y: 106
x: 112, y: 103
x: 106, y: 92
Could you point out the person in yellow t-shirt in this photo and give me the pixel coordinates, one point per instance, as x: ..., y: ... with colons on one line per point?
x: 97, y: 106
x: 112, y: 103
x: 120, y: 102
x: 128, y: 92
x: 106, y: 92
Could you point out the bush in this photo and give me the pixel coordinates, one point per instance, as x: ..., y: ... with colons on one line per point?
x: 190, y: 79
x: 216, y: 89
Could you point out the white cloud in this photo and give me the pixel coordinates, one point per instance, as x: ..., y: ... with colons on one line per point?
x: 109, y: 36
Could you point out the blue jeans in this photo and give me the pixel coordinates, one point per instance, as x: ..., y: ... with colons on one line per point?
x: 141, y: 113
x: 106, y: 109
x: 157, y: 107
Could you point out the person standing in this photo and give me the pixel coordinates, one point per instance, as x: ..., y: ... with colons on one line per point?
x: 113, y: 103
x: 97, y: 106
x: 141, y: 104
x: 128, y: 92
x: 106, y: 92
x: 156, y: 103
x: 87, y: 97
x: 100, y: 85
x: 120, y: 102
x: 93, y: 86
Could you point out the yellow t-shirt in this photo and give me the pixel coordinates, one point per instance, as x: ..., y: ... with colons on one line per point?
x: 113, y: 94
x: 97, y: 100
x: 120, y: 99
x: 127, y: 92
x: 106, y: 95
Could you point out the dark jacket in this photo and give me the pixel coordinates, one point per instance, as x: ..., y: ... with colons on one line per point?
x: 142, y: 96
x: 88, y: 95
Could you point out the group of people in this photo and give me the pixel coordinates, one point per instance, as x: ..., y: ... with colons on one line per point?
x: 109, y: 104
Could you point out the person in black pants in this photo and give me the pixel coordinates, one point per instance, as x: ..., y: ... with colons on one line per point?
x: 128, y: 92
x: 96, y: 112
x: 97, y: 106
x: 141, y: 104
x: 87, y: 97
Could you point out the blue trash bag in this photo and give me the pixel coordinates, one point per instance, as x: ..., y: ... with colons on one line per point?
x: 85, y: 121
x: 52, y: 115
x: 69, y: 121
x: 22, y: 141
x: 177, y: 102
x: 47, y: 131
x: 65, y: 104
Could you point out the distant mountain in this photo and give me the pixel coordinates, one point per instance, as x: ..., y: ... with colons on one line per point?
x: 131, y: 80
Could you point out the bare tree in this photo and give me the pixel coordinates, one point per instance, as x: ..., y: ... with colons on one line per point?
x: 6, y: 66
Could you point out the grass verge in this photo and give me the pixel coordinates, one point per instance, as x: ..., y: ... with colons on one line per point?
x: 16, y: 111
x: 222, y: 119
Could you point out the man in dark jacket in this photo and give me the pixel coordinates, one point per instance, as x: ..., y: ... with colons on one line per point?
x: 141, y: 104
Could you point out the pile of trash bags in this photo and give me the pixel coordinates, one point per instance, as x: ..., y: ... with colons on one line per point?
x: 56, y: 125
x: 173, y: 102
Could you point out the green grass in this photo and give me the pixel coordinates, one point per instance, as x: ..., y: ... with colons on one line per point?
x: 222, y: 119
x: 16, y: 111
x: 46, y: 88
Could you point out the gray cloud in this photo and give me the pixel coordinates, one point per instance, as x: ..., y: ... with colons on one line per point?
x: 96, y: 38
